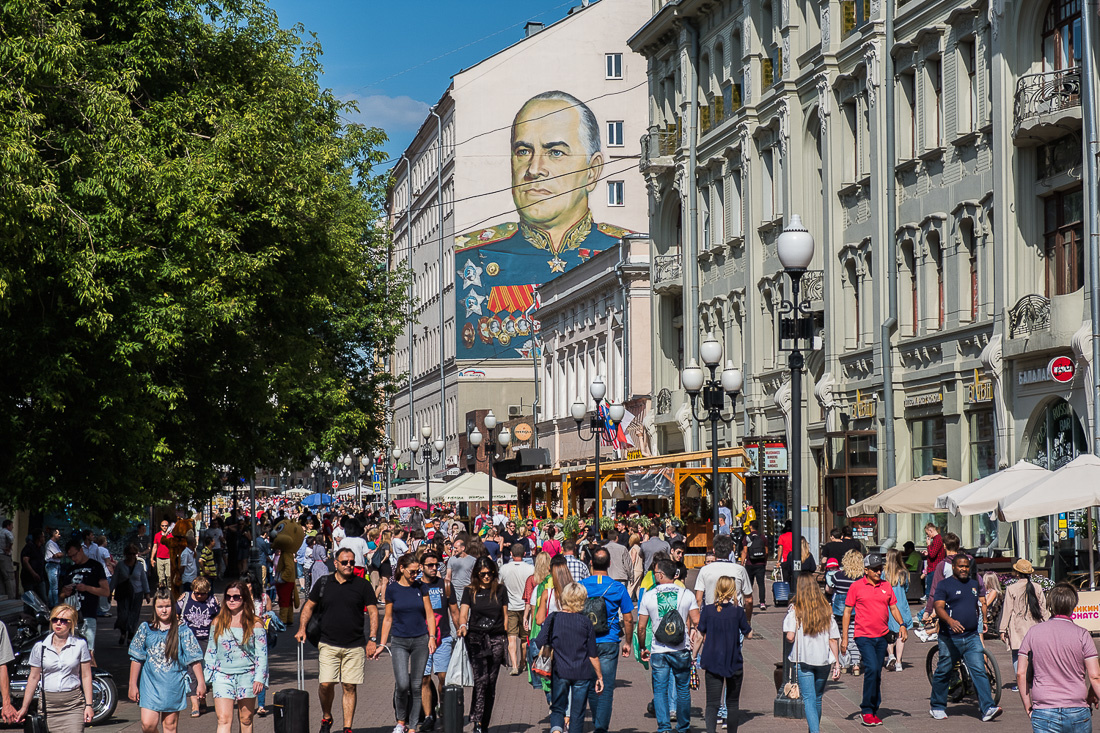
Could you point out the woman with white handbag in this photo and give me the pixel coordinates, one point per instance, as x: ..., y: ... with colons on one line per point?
x: 815, y: 649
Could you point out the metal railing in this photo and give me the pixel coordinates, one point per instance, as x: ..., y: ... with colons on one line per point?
x: 1031, y: 313
x: 659, y: 143
x: 667, y: 268
x: 1046, y: 92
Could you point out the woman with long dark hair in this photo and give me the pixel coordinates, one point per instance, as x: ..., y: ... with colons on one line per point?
x: 236, y: 658
x: 483, y: 610
x: 409, y: 630
x: 160, y: 654
x: 560, y: 578
x: 815, y: 645
x: 1024, y: 606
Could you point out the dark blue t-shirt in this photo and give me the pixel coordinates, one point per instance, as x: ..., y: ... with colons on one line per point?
x: 961, y: 600
x: 723, y: 626
x: 616, y: 598
x: 408, y: 609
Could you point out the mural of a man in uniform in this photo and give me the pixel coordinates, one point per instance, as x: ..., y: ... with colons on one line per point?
x: 556, y: 163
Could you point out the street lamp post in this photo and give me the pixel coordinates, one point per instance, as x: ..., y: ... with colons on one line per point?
x: 596, y: 427
x: 504, y: 439
x: 796, y: 251
x: 390, y: 477
x: 431, y: 454
x: 714, y: 391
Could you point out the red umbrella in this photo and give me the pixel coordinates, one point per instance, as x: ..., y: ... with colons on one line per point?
x: 409, y: 502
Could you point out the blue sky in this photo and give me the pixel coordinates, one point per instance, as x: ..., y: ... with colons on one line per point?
x: 397, y: 58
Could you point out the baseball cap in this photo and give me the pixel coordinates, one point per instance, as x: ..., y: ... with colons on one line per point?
x: 874, y: 560
x: 832, y: 564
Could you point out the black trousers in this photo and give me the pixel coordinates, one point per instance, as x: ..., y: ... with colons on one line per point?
x: 487, y: 654
x: 757, y: 574
x: 714, y: 701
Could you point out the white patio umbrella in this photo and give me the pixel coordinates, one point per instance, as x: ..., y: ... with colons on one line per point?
x: 1074, y: 486
x: 911, y: 497
x: 475, y: 487
x: 982, y: 496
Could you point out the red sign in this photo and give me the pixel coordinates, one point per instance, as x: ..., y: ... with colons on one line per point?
x: 1061, y: 369
x: 335, y: 484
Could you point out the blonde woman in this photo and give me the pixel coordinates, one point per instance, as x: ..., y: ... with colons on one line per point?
x: 64, y: 664
x: 994, y: 598
x: 560, y: 577
x: 722, y: 626
x: 570, y: 635
x: 851, y: 570
x: 815, y: 638
x: 897, y: 575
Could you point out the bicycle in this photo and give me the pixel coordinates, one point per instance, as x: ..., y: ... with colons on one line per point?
x: 959, y: 682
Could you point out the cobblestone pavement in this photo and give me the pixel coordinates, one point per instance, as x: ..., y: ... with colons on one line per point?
x: 520, y: 709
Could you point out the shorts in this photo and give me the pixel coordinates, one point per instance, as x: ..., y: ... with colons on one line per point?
x: 441, y: 659
x: 232, y: 686
x: 513, y: 624
x: 340, y: 664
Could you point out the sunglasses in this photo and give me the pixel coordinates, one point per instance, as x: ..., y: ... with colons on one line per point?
x: 234, y: 597
x: 59, y: 620
x: 485, y: 575
x: 431, y: 565
x: 346, y: 562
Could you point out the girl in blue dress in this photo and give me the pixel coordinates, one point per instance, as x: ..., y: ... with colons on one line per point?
x: 236, y: 658
x: 159, y: 657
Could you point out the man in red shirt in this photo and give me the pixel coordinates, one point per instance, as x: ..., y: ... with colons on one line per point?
x: 784, y: 542
x: 162, y: 556
x: 872, y: 600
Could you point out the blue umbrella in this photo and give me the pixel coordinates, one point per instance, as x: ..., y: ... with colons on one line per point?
x: 317, y: 500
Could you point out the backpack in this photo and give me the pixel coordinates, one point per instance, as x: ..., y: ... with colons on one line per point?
x: 670, y: 630
x: 595, y: 608
x: 757, y: 551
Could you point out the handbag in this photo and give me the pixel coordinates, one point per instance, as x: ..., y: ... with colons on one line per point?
x: 543, y: 666
x: 459, y: 672
x: 693, y: 677
x: 37, y: 723
x: 790, y: 688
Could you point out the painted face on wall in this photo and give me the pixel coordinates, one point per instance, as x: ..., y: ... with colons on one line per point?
x: 552, y: 173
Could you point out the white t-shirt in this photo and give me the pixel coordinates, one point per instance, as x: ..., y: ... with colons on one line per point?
x: 359, y: 546
x: 398, y: 547
x: 814, y: 649
x: 217, y: 534
x: 514, y: 575
x: 709, y: 575
x: 685, y: 604
x: 338, y: 534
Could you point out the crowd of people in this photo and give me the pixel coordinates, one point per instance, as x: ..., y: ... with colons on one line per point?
x: 521, y: 596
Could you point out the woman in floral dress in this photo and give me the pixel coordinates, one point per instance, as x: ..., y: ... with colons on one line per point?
x: 159, y: 657
x: 236, y: 658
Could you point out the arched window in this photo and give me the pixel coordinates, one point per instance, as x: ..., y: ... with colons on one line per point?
x: 1062, y: 35
x: 1057, y: 437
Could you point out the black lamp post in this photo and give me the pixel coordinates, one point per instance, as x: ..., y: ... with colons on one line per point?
x: 596, y: 427
x: 431, y: 454
x: 714, y: 392
x: 796, y: 251
x: 504, y: 439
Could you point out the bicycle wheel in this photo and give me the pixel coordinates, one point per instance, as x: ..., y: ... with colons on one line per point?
x: 956, y: 684
x: 994, y: 673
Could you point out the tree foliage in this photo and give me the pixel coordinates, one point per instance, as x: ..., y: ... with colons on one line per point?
x: 192, y: 270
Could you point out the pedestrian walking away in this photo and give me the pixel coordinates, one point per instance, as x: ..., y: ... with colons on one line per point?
x: 871, y: 600
x: 722, y: 627
x: 235, y: 662
x: 838, y: 579
x: 409, y: 633
x: 815, y: 646
x: 960, y: 607
x: 674, y: 614
x: 1025, y: 605
x: 514, y: 576
x: 575, y: 672
x: 344, y: 603
x: 1059, y: 675
x: 614, y: 628
x: 483, y: 610
x: 754, y: 556
x: 160, y: 656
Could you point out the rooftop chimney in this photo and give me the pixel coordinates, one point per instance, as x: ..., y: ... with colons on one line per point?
x: 532, y: 28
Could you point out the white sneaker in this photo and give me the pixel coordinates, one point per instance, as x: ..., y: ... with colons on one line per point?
x: 399, y: 728
x: 938, y: 714
x: 898, y: 668
x: 990, y: 714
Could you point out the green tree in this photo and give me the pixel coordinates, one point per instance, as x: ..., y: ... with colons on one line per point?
x: 192, y: 267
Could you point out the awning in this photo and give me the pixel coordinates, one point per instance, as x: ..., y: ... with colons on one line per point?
x: 912, y: 497
x: 475, y: 487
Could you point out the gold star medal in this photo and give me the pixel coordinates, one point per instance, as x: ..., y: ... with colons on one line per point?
x: 557, y: 264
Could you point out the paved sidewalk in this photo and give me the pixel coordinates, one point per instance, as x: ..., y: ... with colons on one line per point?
x: 521, y: 709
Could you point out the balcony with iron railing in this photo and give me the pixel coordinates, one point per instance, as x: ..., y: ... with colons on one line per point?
x: 667, y: 273
x: 1046, y: 104
x: 659, y: 147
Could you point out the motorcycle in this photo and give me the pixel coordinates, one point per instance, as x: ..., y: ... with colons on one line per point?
x: 33, y: 626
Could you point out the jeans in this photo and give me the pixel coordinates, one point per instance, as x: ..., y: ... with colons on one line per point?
x: 568, y: 696
x: 53, y: 570
x: 757, y: 573
x: 608, y: 653
x: 1061, y: 720
x: 732, y: 701
x: 671, y: 670
x: 968, y: 648
x: 409, y: 654
x: 811, y: 685
x: 872, y: 651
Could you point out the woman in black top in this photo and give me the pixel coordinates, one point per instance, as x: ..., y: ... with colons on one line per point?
x: 571, y: 635
x: 483, y: 610
x: 809, y: 566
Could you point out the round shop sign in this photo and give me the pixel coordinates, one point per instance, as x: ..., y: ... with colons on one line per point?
x: 522, y: 432
x: 1061, y: 369
x: 335, y: 484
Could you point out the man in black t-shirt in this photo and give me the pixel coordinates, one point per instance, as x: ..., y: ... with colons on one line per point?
x: 345, y: 600
x: 445, y: 606
x: 87, y: 579
x: 754, y: 556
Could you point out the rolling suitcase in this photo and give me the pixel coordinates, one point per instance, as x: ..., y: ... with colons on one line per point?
x: 292, y: 706
x: 454, y: 703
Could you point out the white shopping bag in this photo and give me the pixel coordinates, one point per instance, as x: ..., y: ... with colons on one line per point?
x: 458, y: 671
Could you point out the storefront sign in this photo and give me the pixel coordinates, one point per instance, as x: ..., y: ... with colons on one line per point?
x: 863, y: 408
x: 633, y: 454
x: 979, y: 392
x: 753, y: 465
x: 924, y: 400
x: 1061, y: 369
x: 522, y: 432
x: 1087, y: 612
x: 774, y: 459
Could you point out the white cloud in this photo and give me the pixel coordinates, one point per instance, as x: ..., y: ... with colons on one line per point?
x: 389, y: 113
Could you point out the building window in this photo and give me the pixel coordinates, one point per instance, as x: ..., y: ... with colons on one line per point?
x: 907, y: 113
x: 1062, y: 35
x: 615, y: 134
x: 929, y: 446
x: 982, y: 459
x: 851, y: 475
x: 968, y: 83
x: 935, y: 88
x: 614, y: 65
x: 616, y: 193
x: 1064, y: 232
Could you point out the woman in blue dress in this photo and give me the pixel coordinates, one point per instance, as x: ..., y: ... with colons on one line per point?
x: 159, y: 657
x: 236, y: 658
